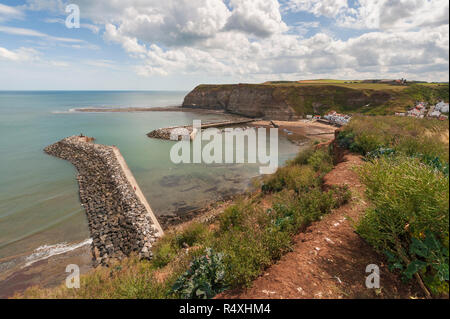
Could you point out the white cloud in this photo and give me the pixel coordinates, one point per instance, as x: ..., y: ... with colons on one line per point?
x: 327, y: 8
x: 34, y: 33
x: 102, y: 63
x: 396, y: 15
x: 48, y: 5
x: 389, y: 15
x: 19, y: 55
x: 29, y: 56
x: 249, y: 40
x: 130, y: 44
x: 94, y: 28
x: 9, y: 13
x: 259, y: 17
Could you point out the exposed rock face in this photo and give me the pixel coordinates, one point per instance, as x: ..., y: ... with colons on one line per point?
x: 282, y: 102
x: 252, y: 101
x: 118, y: 221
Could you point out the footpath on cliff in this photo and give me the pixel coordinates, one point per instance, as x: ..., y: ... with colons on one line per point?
x: 329, y: 258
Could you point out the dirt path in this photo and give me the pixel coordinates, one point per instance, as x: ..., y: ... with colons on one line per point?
x: 329, y: 259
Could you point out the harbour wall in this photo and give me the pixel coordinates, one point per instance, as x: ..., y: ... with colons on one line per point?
x: 120, y: 220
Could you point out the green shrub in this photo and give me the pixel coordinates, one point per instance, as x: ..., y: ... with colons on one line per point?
x: 315, y: 204
x: 302, y: 157
x: 283, y: 217
x: 233, y: 216
x: 204, y: 278
x: 321, y: 161
x: 191, y: 235
x: 346, y: 139
x: 169, y: 246
x: 299, y: 174
x: 409, y: 199
x: 367, y: 142
x: 277, y: 239
x: 295, y: 177
x: 140, y: 286
x: 245, y: 255
x: 163, y: 252
x: 405, y: 135
x: 341, y: 195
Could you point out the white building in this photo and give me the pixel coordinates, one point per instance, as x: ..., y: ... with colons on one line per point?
x: 337, y: 118
x: 441, y: 107
x: 435, y: 113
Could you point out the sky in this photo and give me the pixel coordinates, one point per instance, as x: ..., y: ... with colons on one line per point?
x: 178, y: 44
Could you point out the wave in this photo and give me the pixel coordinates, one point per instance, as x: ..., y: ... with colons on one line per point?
x: 73, y: 110
x: 80, y: 108
x: 47, y: 251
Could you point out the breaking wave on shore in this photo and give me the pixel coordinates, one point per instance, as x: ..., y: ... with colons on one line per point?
x: 47, y: 251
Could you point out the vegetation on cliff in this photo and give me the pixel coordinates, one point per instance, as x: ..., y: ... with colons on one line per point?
x: 201, y: 260
x: 406, y: 179
x: 407, y: 182
x: 321, y: 97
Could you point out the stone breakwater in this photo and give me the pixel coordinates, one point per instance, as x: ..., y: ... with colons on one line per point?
x: 178, y: 132
x: 169, y: 133
x: 119, y: 222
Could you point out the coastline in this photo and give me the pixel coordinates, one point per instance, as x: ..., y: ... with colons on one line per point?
x: 52, y: 268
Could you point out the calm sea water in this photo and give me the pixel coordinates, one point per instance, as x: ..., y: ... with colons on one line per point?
x: 40, y: 213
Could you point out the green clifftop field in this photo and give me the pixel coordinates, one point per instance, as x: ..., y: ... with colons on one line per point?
x: 286, y: 100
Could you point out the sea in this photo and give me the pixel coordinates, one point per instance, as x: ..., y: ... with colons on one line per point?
x: 40, y: 212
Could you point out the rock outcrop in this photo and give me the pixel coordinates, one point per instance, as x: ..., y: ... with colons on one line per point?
x: 278, y: 102
x: 255, y: 101
x: 118, y: 221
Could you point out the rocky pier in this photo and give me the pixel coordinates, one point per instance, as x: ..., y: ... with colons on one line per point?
x: 177, y: 132
x: 120, y: 220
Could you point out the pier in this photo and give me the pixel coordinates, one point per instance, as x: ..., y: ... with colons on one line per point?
x: 166, y: 132
x: 120, y: 219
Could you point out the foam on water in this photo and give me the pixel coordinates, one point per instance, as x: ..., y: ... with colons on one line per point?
x: 47, y: 251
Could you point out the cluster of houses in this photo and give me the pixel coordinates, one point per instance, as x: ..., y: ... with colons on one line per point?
x: 332, y: 117
x: 421, y: 110
x: 337, y: 118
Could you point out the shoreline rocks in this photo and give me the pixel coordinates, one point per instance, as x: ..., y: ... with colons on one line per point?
x: 118, y: 221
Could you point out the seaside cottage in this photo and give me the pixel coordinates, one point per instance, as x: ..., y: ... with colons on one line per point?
x: 337, y: 118
x: 435, y: 114
x: 442, y: 107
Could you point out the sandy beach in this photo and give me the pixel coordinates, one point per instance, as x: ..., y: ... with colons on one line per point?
x: 301, y: 131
